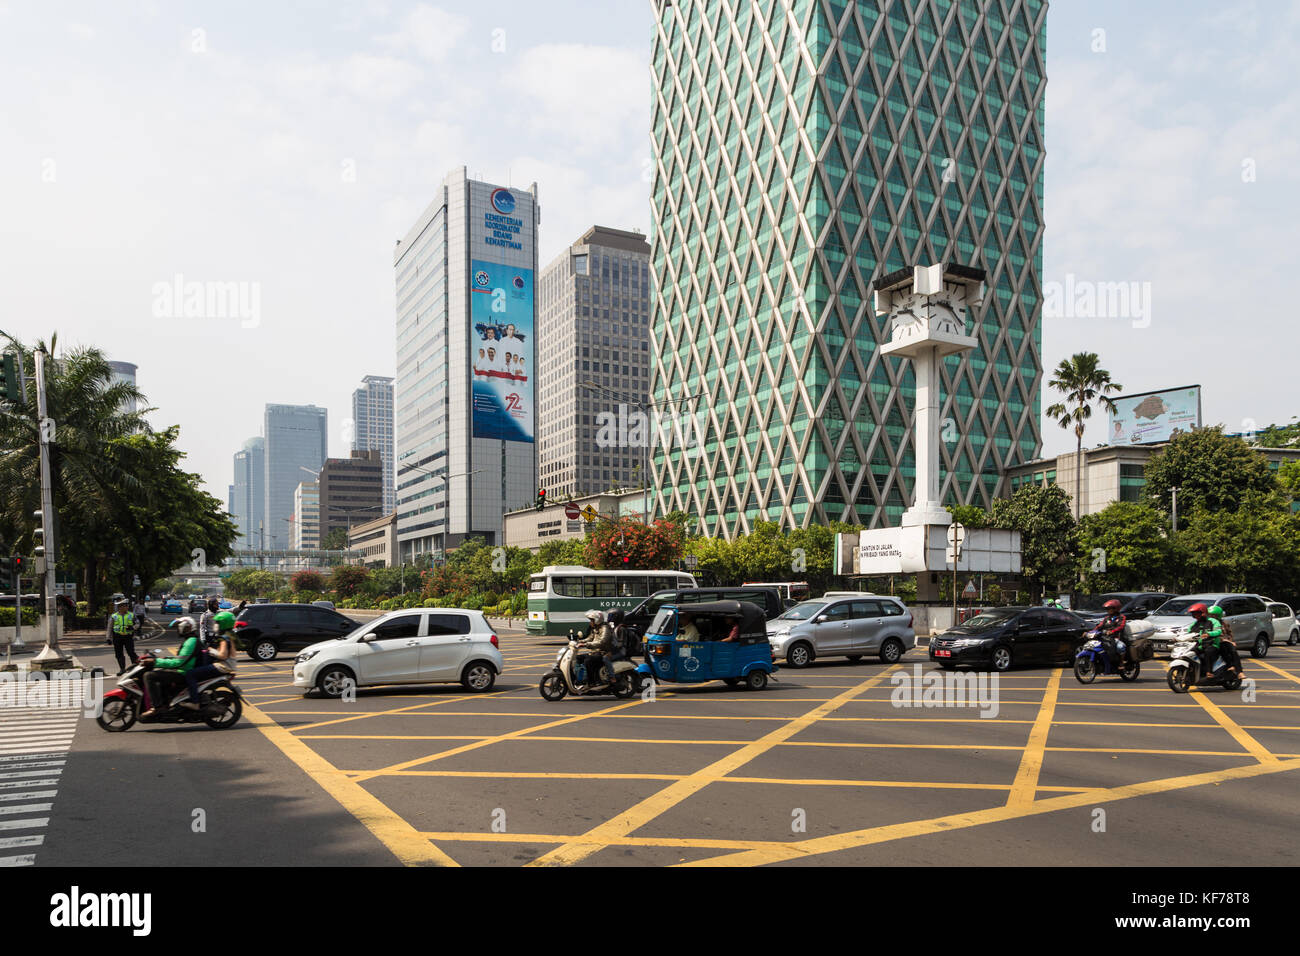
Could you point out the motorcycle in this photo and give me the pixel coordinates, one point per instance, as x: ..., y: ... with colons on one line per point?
x: 1187, y: 670
x: 1093, y: 661
x: 569, y: 676
x: 220, y: 702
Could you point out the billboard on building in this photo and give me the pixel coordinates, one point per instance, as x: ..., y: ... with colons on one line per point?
x: 502, y: 345
x: 1154, y: 416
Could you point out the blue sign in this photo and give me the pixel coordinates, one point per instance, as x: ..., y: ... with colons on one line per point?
x: 501, y: 351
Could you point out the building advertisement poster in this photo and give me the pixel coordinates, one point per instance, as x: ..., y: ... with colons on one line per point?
x: 501, y: 347
x: 1155, y: 416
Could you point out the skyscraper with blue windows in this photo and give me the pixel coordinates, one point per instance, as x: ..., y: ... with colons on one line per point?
x: 803, y: 150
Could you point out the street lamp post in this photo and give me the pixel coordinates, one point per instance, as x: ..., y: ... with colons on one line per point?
x: 50, y: 654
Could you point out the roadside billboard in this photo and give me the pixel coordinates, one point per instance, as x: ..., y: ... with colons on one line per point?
x: 501, y: 348
x: 1154, y: 416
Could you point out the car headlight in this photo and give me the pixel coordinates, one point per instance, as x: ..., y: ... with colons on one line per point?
x: 968, y: 642
x: 305, y: 656
x: 777, y: 637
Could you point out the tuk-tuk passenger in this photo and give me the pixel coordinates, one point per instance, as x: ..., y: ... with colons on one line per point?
x: 688, y: 631
x: 733, y: 629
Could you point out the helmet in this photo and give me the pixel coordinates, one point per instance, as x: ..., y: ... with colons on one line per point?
x: 595, y: 617
x: 185, y: 626
x: 1198, y: 611
x: 1216, y: 612
x: 225, y: 621
x: 615, y: 616
x: 214, y: 604
x: 1112, y: 605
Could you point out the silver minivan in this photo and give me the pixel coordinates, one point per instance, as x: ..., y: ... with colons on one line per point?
x: 842, y: 627
x: 1247, y: 617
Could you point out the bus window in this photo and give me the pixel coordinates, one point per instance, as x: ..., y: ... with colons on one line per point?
x: 567, y: 586
x: 604, y: 587
x: 537, y: 585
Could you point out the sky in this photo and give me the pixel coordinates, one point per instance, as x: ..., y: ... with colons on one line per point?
x: 284, y: 148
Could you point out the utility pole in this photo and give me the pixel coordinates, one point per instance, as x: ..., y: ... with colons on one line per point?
x: 50, y: 654
x: 1174, y: 494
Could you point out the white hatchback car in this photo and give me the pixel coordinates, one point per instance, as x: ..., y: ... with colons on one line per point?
x: 414, y: 646
x: 1286, y: 629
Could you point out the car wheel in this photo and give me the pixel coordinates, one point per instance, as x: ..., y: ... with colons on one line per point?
x: 1261, y: 647
x: 1001, y: 659
x: 1294, y: 638
x: 478, y: 677
x: 263, y: 649
x: 334, y: 680
x: 756, y: 680
x: 799, y: 655
x: 891, y: 652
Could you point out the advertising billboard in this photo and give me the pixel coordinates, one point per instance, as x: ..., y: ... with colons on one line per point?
x: 1154, y: 416
x: 501, y: 351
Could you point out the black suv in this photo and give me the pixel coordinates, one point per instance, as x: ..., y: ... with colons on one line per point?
x: 768, y: 599
x: 263, y: 630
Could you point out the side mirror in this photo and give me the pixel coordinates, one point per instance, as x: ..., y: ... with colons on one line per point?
x: 821, y: 619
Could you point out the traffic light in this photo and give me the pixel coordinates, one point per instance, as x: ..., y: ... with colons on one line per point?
x: 20, y: 568
x: 39, y: 532
x: 6, y: 575
x: 541, y: 498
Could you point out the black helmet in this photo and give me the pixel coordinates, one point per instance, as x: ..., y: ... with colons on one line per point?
x: 615, y: 616
x: 214, y: 604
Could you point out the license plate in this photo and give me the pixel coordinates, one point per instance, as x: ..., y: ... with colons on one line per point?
x: 943, y: 653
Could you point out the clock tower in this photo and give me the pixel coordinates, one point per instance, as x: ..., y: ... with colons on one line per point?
x: 928, y: 308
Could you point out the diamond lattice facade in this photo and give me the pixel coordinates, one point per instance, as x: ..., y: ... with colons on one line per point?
x: 804, y: 149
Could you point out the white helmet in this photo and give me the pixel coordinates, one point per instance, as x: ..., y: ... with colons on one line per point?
x: 596, y: 617
x: 185, y: 626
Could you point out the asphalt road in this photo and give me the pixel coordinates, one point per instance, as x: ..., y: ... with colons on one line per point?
x: 825, y: 767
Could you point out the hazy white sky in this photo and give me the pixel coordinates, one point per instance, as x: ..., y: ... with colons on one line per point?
x: 287, y: 146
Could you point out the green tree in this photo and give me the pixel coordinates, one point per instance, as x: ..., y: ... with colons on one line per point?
x: 249, y: 583
x: 1124, y: 547
x: 336, y: 540
x: 1288, y: 479
x: 1211, y: 471
x: 307, y: 580
x: 1047, y: 545
x: 1254, y: 547
x: 347, y: 580
x: 89, y: 410
x: 971, y: 516
x: 1080, y: 381
x: 558, y: 553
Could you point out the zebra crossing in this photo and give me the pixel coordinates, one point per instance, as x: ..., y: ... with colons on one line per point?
x: 34, y: 743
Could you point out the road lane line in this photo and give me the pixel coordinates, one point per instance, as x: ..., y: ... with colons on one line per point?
x: 1248, y: 743
x: 659, y: 803
x: 391, y: 830
x: 1031, y: 764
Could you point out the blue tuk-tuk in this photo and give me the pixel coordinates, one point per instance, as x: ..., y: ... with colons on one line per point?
x: 687, y: 644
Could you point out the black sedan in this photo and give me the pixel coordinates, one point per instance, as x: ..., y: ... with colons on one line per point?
x: 1004, y: 636
x: 263, y: 630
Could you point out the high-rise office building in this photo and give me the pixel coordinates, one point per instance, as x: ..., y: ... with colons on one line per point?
x: 124, y: 372
x: 351, y: 491
x: 372, y: 423
x: 464, y: 418
x: 593, y: 363
x: 249, y: 506
x: 803, y: 151
x: 296, y: 438
x: 306, y: 515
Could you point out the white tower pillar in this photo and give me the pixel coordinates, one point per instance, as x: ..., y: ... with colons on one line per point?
x: 928, y: 306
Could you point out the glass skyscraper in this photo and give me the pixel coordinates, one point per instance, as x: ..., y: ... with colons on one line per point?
x: 249, y: 496
x: 295, y: 450
x: 372, y: 421
x: 804, y: 149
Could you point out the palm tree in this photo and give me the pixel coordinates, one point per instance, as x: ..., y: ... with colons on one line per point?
x: 90, y: 486
x: 1080, y: 383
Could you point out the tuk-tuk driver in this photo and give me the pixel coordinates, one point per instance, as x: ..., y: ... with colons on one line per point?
x: 733, y: 630
x: 687, y: 631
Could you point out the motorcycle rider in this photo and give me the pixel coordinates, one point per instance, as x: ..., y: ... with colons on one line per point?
x: 1208, y: 633
x: 207, y: 626
x: 597, y: 643
x: 1110, y: 629
x: 221, y: 662
x: 167, y: 669
x: 1227, y: 647
x: 620, y: 638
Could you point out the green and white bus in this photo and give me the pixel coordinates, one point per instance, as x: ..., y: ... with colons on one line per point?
x: 560, y: 597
